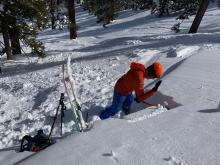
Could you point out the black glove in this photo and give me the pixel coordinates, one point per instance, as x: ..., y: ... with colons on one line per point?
x: 135, y: 99
x: 156, y: 86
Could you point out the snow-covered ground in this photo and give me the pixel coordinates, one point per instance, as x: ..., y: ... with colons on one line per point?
x: 188, y: 134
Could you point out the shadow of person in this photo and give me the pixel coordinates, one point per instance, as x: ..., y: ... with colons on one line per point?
x: 160, y: 98
x: 94, y: 110
x: 157, y: 99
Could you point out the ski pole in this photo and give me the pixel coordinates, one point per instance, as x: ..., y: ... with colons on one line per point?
x: 61, y: 98
x: 63, y: 108
x: 61, y: 124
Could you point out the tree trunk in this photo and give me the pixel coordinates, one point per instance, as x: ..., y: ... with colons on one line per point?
x: 14, y: 33
x: 72, y: 20
x: 53, y: 6
x: 53, y: 20
x: 7, y: 45
x: 15, y: 44
x: 199, y: 15
x: 14, y: 37
x: 5, y: 33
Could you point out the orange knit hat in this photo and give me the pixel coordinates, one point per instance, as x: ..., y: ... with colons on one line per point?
x: 156, y: 70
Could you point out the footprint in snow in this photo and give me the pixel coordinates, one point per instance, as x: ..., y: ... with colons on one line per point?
x: 173, y: 161
x: 111, y: 154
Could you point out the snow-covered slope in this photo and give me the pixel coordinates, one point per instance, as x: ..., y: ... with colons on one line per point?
x: 187, y: 134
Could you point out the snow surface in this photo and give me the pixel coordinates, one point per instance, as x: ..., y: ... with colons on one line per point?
x: 188, y: 134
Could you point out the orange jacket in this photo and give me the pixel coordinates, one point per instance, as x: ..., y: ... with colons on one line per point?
x: 133, y: 80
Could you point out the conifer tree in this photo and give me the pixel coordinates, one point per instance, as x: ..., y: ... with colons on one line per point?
x: 164, y: 7
x: 184, y: 8
x: 21, y: 20
x: 107, y: 10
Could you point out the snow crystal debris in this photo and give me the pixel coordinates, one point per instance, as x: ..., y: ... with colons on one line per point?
x: 159, y: 106
x: 134, y: 42
x: 172, y: 52
x: 186, y: 51
x: 182, y: 51
x: 95, y: 118
x: 165, y: 103
x: 208, y: 46
x: 117, y: 58
x: 112, y: 153
x: 145, y: 117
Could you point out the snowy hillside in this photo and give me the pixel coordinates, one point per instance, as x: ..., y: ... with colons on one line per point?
x: 187, y: 134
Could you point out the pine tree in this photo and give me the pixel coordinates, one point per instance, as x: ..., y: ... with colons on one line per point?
x: 21, y: 20
x: 184, y: 8
x: 107, y: 10
x: 163, y: 8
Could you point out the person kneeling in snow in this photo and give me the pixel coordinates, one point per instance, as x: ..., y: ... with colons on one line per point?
x: 133, y: 80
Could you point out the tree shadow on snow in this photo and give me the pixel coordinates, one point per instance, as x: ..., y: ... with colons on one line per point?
x: 209, y: 111
x: 42, y: 96
x: 15, y: 148
x: 25, y: 158
x: 67, y: 118
x: 121, y: 26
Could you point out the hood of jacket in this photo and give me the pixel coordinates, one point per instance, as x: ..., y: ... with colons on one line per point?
x: 137, y: 66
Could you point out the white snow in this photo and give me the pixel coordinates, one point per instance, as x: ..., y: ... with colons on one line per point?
x: 187, y: 134
x: 182, y: 51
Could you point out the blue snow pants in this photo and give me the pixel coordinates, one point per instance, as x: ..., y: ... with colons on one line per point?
x: 119, y: 103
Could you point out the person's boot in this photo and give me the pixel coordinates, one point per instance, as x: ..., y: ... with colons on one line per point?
x: 126, y: 110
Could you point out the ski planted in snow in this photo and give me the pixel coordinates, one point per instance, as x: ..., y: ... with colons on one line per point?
x: 70, y: 90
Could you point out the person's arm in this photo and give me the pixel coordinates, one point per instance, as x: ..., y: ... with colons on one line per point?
x: 141, y: 95
x: 139, y: 88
